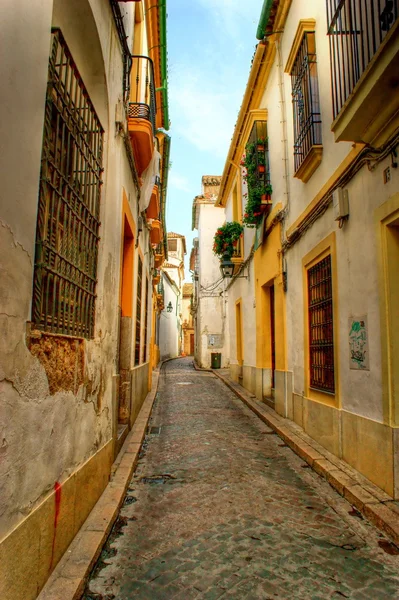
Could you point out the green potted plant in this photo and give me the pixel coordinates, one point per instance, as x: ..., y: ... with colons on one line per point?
x: 226, y: 239
x: 261, y: 144
x: 258, y: 202
x: 256, y: 178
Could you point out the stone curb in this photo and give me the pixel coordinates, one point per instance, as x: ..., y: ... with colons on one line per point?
x: 375, y: 504
x: 197, y: 368
x: 68, y: 580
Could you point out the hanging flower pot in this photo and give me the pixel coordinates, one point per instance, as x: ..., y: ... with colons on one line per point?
x: 261, y: 168
x: 226, y: 239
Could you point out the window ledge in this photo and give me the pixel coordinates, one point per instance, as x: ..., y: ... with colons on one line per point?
x: 310, y: 164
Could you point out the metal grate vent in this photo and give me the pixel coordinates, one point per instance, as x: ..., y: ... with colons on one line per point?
x: 154, y: 430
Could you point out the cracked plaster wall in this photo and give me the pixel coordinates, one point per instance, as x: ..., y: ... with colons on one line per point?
x: 53, y: 422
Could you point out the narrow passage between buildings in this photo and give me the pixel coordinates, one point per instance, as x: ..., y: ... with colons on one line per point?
x: 220, y: 507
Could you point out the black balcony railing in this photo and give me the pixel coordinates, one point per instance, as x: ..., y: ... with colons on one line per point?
x: 357, y: 29
x: 142, y: 103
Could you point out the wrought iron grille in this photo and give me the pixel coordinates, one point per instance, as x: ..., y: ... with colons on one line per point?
x: 356, y: 29
x: 67, y: 229
x: 138, y: 311
x: 305, y: 100
x: 321, y: 330
x: 142, y: 103
x: 145, y: 320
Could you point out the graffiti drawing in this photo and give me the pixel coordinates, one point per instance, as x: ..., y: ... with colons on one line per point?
x: 358, y: 344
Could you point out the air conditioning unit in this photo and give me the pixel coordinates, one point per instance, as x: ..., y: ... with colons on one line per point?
x: 340, y: 204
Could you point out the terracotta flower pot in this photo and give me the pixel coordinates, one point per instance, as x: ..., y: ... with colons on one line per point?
x: 265, y: 203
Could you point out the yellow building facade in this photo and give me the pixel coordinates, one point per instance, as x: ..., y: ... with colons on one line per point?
x: 312, y: 318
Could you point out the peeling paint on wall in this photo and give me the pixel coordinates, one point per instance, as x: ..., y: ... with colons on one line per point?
x: 62, y: 359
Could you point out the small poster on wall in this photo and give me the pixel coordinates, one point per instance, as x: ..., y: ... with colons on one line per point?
x: 358, y: 344
x: 215, y: 340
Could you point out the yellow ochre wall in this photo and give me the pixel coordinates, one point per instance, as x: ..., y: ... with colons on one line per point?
x: 267, y: 261
x: 31, y: 551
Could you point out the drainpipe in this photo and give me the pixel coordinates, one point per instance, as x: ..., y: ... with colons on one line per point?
x: 165, y: 173
x: 264, y: 18
x: 164, y: 70
x: 284, y: 135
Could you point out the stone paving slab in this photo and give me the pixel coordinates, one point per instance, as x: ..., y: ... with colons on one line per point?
x: 348, y: 482
x: 68, y: 580
x: 220, y: 507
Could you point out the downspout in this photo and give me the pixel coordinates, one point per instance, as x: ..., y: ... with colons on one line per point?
x: 284, y: 139
x: 165, y: 173
x: 164, y: 69
x: 264, y: 18
x: 161, y: 6
x: 127, y: 56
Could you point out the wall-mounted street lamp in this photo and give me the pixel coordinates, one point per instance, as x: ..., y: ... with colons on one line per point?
x: 169, y: 308
x: 230, y: 269
x: 227, y: 268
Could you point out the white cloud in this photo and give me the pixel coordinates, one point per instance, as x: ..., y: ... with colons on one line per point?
x: 178, y: 182
x: 205, y: 110
x: 229, y: 14
x: 207, y: 80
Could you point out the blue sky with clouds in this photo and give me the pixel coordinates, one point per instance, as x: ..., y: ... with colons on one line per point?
x: 210, y: 47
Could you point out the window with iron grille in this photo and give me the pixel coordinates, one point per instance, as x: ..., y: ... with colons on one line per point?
x: 65, y: 271
x: 145, y: 320
x: 305, y: 100
x: 321, y: 329
x: 172, y: 245
x: 138, y: 312
x: 356, y: 29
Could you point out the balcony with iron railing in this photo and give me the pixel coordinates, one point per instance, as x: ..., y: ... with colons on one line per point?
x: 156, y: 232
x: 142, y: 110
x: 160, y: 295
x: 153, y: 208
x: 364, y: 55
x: 159, y: 256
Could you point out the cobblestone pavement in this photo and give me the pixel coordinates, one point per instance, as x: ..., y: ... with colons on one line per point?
x: 219, y: 507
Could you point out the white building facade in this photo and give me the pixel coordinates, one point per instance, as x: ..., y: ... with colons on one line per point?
x: 313, y: 330
x: 210, y: 301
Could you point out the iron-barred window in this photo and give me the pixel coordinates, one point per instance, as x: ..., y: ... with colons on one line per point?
x: 69, y: 202
x: 172, y: 245
x: 138, y: 312
x: 321, y: 329
x: 305, y: 99
x: 356, y: 29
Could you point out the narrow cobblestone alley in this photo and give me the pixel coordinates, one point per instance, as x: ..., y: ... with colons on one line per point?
x: 219, y: 507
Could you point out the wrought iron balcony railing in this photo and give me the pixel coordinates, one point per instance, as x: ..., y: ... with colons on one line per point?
x: 356, y: 28
x: 142, y: 103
